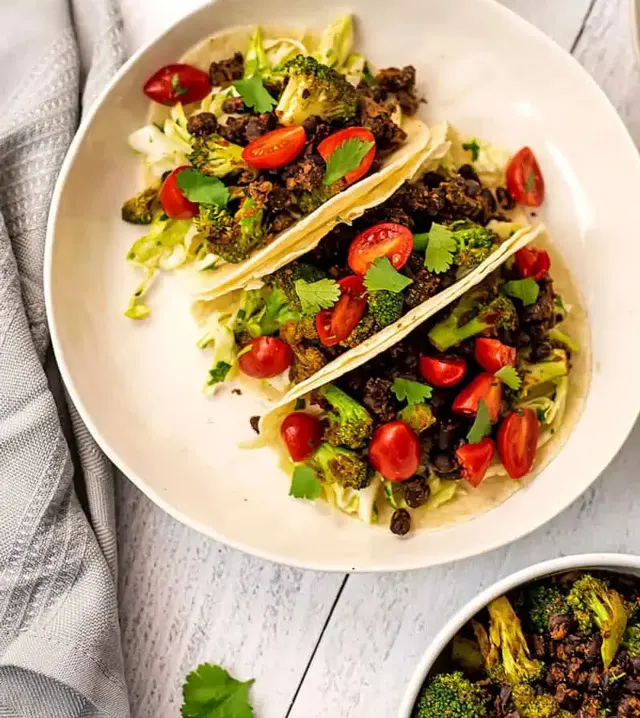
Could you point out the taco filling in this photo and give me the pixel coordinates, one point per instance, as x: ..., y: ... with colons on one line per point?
x: 256, y: 144
x: 429, y: 235
x: 472, y: 392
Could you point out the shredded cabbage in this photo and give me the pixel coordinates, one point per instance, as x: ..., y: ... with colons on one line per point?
x: 336, y: 43
x: 165, y: 149
x: 350, y: 501
x: 354, y: 67
x: 281, y: 50
x: 441, y: 491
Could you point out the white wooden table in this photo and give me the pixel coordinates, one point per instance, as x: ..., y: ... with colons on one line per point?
x: 329, y: 644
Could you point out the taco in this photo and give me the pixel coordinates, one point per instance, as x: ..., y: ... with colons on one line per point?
x: 336, y: 295
x: 253, y: 139
x: 453, y: 418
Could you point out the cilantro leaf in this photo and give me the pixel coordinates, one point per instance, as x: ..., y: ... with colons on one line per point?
x: 346, y: 158
x: 202, y: 189
x: 526, y: 290
x: 315, y: 296
x: 481, y: 426
x: 277, y: 312
x: 300, y: 404
x: 441, y: 249
x: 382, y: 275
x: 210, y: 692
x: 472, y: 147
x: 509, y: 376
x: 305, y: 484
x: 219, y: 373
x: 420, y: 242
x: 254, y: 94
x: 414, y: 392
x: 529, y: 183
x: 177, y: 88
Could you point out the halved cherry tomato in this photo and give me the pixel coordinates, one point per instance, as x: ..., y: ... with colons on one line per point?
x: 174, y: 203
x: 475, y: 460
x: 492, y: 354
x: 388, y: 239
x: 484, y: 386
x: 276, y: 148
x: 517, y: 442
x: 394, y: 451
x: 534, y: 263
x: 177, y: 83
x: 267, y: 357
x: 328, y: 146
x: 444, y: 372
x: 524, y: 178
x: 334, y: 325
x: 302, y: 434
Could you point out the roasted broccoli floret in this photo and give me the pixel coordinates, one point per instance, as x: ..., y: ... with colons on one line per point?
x: 306, y: 362
x: 592, y: 602
x: 341, y: 466
x: 486, y: 318
x: 139, y: 209
x: 529, y: 704
x: 350, y: 423
x: 385, y: 306
x: 418, y: 416
x: 315, y: 89
x: 475, y: 243
x: 309, y: 202
x: 286, y: 277
x: 213, y: 155
x: 632, y: 641
x: 556, y: 365
x: 451, y: 695
x: 363, y: 330
x: 508, y: 659
x: 543, y: 602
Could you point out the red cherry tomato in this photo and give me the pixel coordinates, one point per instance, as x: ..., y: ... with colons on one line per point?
x: 443, y: 372
x: 334, y: 325
x: 524, y: 178
x: 174, y: 203
x: 475, y: 459
x: 276, y: 148
x: 394, y: 451
x: 328, y: 146
x: 485, y: 387
x: 517, y: 442
x: 534, y: 263
x: 388, y: 239
x: 492, y: 354
x: 302, y: 434
x: 177, y: 83
x: 267, y: 357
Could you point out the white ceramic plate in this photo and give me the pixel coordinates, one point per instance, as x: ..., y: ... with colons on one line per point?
x: 137, y: 385
x: 620, y: 563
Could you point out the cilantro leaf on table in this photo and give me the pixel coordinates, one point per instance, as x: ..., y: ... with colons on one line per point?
x: 481, y: 426
x: 509, y: 376
x: 254, y: 94
x: 413, y: 392
x: 315, y: 296
x: 202, y: 189
x: 441, y: 249
x: 382, y: 275
x: 346, y: 158
x: 472, y: 147
x: 210, y: 692
x: 526, y: 290
x: 305, y: 484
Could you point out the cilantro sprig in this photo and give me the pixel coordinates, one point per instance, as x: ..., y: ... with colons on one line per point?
x: 472, y: 147
x: 481, y: 426
x: 305, y: 484
x: 441, y: 249
x: 345, y: 158
x: 211, y: 692
x: 202, y: 189
x: 254, y: 94
x: 382, y: 275
x: 526, y: 290
x: 413, y: 392
x: 178, y: 89
x: 315, y: 296
x: 508, y: 375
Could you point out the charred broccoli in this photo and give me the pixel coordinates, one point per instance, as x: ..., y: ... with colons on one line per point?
x: 451, y: 695
x: 556, y: 365
x: 309, y: 201
x: 350, y: 423
x: 592, y: 602
x: 486, y: 317
x: 139, y: 209
x: 341, y: 466
x: 363, y: 330
x: 543, y: 602
x: 507, y: 656
x: 286, y: 277
x: 315, y: 89
x: 213, y: 155
x: 475, y: 243
x: 418, y: 416
x: 385, y: 306
x: 530, y: 704
x: 306, y: 362
x: 632, y: 641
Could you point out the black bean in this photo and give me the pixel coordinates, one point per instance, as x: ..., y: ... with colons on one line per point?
x: 505, y: 200
x: 473, y: 188
x: 468, y: 173
x: 447, y: 435
x: 541, y: 351
x: 400, y: 522
x: 433, y: 179
x: 416, y: 492
x: 254, y: 421
x: 444, y: 463
x: 492, y: 206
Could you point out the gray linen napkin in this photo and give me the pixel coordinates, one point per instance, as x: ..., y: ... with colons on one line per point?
x: 60, y: 652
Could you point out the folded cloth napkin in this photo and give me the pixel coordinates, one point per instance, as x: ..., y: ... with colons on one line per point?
x: 60, y: 652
